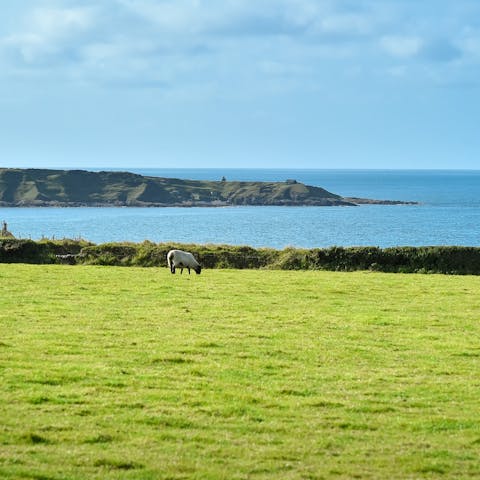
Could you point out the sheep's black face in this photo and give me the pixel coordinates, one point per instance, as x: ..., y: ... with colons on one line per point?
x: 198, y: 270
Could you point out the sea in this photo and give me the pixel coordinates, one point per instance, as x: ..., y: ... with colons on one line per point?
x: 447, y: 213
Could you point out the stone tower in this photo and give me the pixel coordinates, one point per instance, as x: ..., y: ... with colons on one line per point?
x: 5, y: 233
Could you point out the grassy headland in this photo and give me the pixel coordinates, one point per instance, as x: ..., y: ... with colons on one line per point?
x: 40, y: 187
x: 135, y: 373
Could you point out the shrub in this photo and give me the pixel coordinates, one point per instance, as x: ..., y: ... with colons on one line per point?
x: 437, y: 259
x: 24, y: 251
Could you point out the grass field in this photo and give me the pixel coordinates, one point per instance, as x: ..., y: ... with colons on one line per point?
x: 130, y: 373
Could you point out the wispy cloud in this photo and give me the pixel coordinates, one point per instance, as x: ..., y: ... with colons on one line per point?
x: 49, y: 35
x: 401, y: 46
x: 147, y: 42
x: 315, y: 78
x: 435, y: 50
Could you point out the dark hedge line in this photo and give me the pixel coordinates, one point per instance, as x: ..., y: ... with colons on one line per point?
x: 14, y: 250
x: 448, y: 260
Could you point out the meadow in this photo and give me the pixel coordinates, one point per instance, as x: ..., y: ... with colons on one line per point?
x: 133, y: 373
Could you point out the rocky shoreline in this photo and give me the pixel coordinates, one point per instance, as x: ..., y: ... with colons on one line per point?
x: 349, y: 202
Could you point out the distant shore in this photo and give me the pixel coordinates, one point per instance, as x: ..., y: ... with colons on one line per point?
x: 81, y: 188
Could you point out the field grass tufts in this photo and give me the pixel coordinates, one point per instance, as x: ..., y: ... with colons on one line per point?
x: 133, y: 373
x: 102, y: 438
x: 34, y: 438
x: 116, y: 464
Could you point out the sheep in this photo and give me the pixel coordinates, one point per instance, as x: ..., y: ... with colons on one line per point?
x: 181, y: 259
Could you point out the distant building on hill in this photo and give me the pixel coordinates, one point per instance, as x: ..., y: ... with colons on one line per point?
x: 5, y: 233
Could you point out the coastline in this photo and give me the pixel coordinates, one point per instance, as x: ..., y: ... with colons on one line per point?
x: 81, y: 188
x: 345, y: 202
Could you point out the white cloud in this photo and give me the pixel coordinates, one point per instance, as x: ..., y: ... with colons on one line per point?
x: 469, y: 42
x: 146, y: 42
x: 259, y: 18
x: 48, y: 34
x: 402, y: 46
x: 344, y: 24
x: 184, y: 17
x: 54, y: 22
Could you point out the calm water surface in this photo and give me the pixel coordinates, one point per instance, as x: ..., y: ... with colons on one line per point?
x: 448, y: 213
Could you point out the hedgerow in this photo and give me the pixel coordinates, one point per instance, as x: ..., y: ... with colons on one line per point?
x: 428, y: 259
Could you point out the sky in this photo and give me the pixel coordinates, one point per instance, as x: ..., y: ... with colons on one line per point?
x: 362, y: 84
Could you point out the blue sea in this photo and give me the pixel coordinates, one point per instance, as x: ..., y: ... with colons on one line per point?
x: 448, y: 213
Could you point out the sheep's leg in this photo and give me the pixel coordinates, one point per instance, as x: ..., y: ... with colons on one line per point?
x: 188, y: 270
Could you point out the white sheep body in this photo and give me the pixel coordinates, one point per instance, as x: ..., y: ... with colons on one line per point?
x: 181, y: 259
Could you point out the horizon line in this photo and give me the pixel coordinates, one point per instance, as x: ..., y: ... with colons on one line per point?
x: 128, y: 168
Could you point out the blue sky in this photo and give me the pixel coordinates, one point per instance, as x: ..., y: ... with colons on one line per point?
x: 240, y: 83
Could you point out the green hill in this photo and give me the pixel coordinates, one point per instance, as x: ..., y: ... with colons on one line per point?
x: 39, y: 187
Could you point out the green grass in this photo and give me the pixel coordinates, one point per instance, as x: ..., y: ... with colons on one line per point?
x: 130, y: 373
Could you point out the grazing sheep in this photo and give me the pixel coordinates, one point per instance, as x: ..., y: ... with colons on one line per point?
x: 181, y: 259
